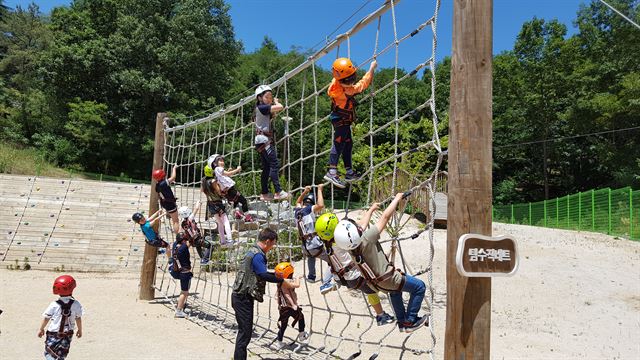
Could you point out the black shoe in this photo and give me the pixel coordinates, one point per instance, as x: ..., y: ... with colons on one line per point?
x: 335, y: 180
x: 352, y: 176
x: 411, y: 327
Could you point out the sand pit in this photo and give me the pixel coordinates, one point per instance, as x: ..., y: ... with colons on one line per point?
x: 575, y: 296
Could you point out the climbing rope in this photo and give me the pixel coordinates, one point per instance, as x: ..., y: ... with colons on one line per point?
x: 339, y: 327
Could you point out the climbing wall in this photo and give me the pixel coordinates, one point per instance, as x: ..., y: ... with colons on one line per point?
x: 70, y: 224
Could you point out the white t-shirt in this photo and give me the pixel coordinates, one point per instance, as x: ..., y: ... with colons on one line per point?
x: 345, y: 259
x: 224, y: 181
x: 54, y: 312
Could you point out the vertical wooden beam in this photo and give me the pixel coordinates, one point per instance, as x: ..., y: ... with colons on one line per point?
x: 468, y: 326
x: 148, y: 271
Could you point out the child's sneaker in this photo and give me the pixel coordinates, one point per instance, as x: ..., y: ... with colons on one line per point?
x: 266, y: 197
x: 248, y: 218
x: 384, y: 319
x: 278, y: 345
x: 335, y: 180
x: 238, y: 214
x: 204, y: 262
x: 411, y: 327
x: 303, y: 338
x: 180, y: 314
x: 311, y: 279
x: 281, y: 195
x: 352, y: 176
x: 328, y: 287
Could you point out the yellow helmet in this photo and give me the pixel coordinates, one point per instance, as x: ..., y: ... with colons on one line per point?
x: 208, y: 171
x: 325, y: 225
x: 284, y: 270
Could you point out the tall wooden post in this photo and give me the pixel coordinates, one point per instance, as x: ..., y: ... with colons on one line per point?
x: 148, y: 271
x: 468, y: 327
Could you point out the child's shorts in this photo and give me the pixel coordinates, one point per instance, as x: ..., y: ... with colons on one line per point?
x: 158, y: 243
x: 55, y: 347
x: 185, y: 281
x: 170, y: 206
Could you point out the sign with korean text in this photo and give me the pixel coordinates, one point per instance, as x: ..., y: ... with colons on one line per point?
x: 484, y: 256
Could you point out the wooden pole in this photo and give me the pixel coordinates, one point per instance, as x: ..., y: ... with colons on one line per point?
x: 468, y: 325
x: 148, y: 271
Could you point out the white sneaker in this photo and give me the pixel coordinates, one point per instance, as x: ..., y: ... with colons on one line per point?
x: 303, y: 338
x: 180, y: 314
x: 278, y: 345
x: 281, y: 195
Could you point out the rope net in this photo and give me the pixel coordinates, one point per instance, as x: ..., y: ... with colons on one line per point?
x: 341, y: 323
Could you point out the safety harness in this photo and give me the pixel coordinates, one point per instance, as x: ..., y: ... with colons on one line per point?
x: 264, y: 146
x: 192, y: 231
x: 371, y: 277
x: 61, y: 334
x: 306, y: 237
x: 286, y: 310
x: 336, y: 265
x: 345, y: 116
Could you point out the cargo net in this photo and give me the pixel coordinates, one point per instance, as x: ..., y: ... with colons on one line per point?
x: 341, y: 323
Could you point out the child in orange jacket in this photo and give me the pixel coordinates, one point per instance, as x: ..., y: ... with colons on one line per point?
x: 342, y: 91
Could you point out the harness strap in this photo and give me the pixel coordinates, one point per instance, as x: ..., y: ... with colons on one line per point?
x: 66, y: 313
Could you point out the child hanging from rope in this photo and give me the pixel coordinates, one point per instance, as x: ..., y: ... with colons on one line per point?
x: 342, y: 91
x: 288, y: 307
x: 167, y: 199
x: 266, y: 107
x: 227, y: 187
x: 342, y: 267
x: 215, y: 207
x: 306, y: 212
x: 151, y: 236
x: 380, y: 273
x: 193, y: 233
x: 62, y: 313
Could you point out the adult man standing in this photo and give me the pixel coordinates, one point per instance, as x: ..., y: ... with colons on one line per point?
x: 250, y: 285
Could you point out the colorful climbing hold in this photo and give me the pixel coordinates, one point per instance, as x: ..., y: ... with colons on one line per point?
x: 38, y: 188
x: 52, y: 215
x: 46, y: 234
x: 26, y: 223
x: 19, y: 242
x: 56, y: 244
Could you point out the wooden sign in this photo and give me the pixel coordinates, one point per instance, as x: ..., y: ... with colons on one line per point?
x: 485, y: 256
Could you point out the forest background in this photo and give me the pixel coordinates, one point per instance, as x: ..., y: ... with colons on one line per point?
x: 80, y: 88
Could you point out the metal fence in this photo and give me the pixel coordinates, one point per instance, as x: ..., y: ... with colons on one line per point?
x: 613, y: 212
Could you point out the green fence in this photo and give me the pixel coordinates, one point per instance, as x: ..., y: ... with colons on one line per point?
x: 613, y: 212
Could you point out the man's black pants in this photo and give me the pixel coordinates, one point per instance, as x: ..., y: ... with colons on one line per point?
x: 243, y: 307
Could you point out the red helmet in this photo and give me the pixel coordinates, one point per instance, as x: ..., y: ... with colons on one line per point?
x: 64, y: 285
x: 158, y: 174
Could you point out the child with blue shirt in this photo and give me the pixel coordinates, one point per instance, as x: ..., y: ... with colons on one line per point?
x: 146, y: 225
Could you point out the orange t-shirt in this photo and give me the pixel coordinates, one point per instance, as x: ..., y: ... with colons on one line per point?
x: 339, y: 92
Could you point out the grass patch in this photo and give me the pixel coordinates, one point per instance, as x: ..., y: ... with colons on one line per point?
x: 27, y: 161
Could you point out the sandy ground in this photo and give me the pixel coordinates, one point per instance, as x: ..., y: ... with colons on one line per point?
x: 576, y: 296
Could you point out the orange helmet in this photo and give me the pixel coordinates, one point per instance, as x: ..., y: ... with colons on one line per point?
x: 343, y: 68
x: 64, y: 285
x: 158, y: 174
x: 284, y: 270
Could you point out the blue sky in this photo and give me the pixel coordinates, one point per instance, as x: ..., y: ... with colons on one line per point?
x: 304, y: 23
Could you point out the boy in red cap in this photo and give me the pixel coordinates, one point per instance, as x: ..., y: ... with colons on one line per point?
x: 168, y: 201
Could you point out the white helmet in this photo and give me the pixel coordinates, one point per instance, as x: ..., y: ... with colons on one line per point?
x: 261, y: 89
x: 211, y: 160
x: 347, y: 235
x: 184, y: 212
